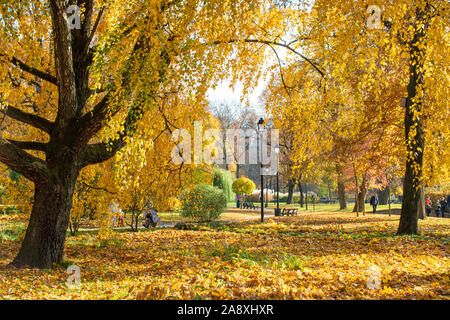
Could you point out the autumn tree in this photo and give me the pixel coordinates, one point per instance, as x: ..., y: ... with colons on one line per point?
x: 388, y: 40
x: 243, y: 186
x: 74, y: 91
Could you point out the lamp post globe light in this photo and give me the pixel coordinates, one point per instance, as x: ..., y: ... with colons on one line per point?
x: 262, y: 126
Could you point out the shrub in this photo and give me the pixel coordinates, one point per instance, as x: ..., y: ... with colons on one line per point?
x: 243, y: 186
x: 223, y: 180
x: 295, y: 199
x: 204, y: 203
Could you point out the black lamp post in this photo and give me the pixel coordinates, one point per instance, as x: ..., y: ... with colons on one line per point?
x: 277, y: 211
x: 260, y: 130
x: 267, y: 191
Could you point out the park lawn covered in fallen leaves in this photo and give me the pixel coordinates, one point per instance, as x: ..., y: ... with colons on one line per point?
x: 311, y: 256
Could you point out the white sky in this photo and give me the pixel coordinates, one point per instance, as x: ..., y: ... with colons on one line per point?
x: 223, y: 92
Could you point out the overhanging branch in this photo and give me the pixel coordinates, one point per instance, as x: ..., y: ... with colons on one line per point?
x: 28, y: 118
x: 274, y: 43
x: 31, y: 70
x: 31, y: 167
x: 29, y: 145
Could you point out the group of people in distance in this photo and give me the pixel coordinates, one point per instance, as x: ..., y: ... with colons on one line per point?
x: 438, y: 206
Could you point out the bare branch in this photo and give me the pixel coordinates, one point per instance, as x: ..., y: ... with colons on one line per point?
x: 94, y: 29
x: 274, y: 43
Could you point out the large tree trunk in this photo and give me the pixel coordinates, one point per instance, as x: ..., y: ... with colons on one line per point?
x: 410, y: 204
x: 360, y: 203
x: 43, y: 244
x: 414, y: 132
x: 291, y: 186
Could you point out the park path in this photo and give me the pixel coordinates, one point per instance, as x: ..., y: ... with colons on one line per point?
x: 172, y: 224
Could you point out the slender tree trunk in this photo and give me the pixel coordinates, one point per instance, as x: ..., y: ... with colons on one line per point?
x: 363, y: 194
x: 291, y: 186
x: 43, y: 244
x: 422, y: 214
x: 225, y: 152
x: 389, y: 200
x: 360, y: 203
x: 302, y: 197
x: 329, y: 192
x: 341, y: 189
x: 356, y: 208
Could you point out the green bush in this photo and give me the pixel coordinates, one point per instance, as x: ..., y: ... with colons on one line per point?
x: 223, y: 180
x: 203, y: 203
x: 295, y: 199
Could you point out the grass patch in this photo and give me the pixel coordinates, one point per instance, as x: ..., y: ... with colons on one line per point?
x: 93, y: 241
x: 291, y: 262
x: 265, y: 259
x: 12, y: 232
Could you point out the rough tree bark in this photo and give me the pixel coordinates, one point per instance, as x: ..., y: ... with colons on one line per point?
x: 360, y: 202
x: 46, y: 233
x: 291, y: 186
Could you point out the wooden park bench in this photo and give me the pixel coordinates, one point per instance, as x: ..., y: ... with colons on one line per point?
x: 249, y: 205
x: 289, y: 212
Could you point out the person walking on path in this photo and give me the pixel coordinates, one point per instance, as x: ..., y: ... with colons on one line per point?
x: 428, y: 205
x: 443, y: 207
x: 374, y: 202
